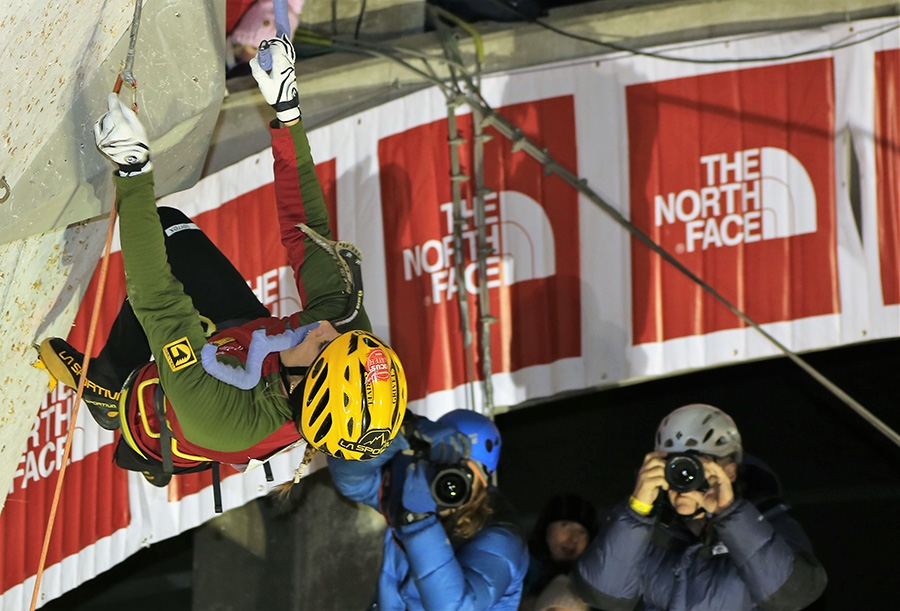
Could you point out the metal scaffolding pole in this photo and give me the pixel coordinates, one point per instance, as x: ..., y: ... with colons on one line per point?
x: 459, y: 222
x: 483, y: 250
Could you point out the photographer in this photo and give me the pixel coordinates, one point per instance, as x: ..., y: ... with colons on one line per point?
x: 704, y: 529
x: 450, y: 541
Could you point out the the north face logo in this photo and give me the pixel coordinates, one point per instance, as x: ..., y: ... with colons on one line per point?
x: 531, y: 250
x: 739, y: 185
x: 747, y: 196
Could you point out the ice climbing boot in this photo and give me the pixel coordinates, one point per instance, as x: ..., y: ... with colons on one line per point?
x: 349, y: 261
x: 101, y: 393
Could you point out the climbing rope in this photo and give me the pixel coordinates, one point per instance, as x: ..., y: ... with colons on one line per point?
x: 128, y: 77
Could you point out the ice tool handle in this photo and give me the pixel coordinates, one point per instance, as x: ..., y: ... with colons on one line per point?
x: 282, y: 28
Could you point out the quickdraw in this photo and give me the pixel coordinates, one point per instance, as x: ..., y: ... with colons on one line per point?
x: 126, y: 75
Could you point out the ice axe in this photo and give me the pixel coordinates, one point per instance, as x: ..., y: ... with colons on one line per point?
x: 282, y: 28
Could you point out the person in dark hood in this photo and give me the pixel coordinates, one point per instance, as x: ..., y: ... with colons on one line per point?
x: 705, y: 529
x: 566, y: 525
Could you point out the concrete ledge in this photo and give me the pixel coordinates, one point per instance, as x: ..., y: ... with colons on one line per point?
x: 336, y: 85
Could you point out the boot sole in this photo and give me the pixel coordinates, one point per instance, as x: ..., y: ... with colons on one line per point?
x: 59, y: 369
x: 56, y: 365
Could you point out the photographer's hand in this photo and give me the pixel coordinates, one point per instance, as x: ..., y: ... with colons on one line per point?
x: 651, y: 478
x: 417, y: 497
x: 448, y: 445
x: 721, y: 493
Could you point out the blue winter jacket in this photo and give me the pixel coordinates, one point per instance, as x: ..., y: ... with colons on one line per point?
x: 745, y: 561
x: 428, y: 573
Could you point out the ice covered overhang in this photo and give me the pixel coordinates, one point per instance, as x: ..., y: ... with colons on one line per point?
x: 60, y: 60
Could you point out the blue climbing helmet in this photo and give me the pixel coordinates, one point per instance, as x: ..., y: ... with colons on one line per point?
x: 481, y: 432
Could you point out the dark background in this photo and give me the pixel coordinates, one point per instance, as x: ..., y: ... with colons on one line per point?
x: 841, y: 476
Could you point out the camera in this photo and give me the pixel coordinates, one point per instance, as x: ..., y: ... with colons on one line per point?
x: 452, y: 486
x: 684, y: 473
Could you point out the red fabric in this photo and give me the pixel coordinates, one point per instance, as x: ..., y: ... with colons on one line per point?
x: 289, y: 201
x: 705, y: 154
x: 281, y: 438
x: 234, y: 10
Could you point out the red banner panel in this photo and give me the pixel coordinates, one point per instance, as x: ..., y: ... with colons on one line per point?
x: 93, y: 505
x: 887, y: 170
x: 532, y: 226
x: 733, y: 173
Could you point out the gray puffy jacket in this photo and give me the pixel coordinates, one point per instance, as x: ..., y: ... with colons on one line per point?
x: 752, y: 556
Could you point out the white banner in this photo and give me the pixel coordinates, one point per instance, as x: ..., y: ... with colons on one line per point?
x: 776, y: 181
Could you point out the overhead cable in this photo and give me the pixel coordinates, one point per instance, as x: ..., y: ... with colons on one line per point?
x: 689, y: 60
x: 521, y: 142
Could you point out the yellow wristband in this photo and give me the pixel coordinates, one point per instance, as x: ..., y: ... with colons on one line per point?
x: 639, y: 506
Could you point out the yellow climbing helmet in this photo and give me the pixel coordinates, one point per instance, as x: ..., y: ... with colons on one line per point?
x: 351, y: 403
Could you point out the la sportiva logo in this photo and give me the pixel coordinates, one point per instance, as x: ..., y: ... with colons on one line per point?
x: 747, y: 196
x: 371, y: 444
x: 179, y: 354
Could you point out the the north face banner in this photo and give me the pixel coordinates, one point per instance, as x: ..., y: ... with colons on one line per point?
x: 744, y: 173
x: 738, y: 183
x: 95, y: 496
x: 532, y: 229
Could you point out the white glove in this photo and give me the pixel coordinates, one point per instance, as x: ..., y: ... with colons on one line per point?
x: 279, y: 85
x: 122, y: 138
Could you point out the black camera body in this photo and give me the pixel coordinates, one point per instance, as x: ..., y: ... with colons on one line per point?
x: 452, y: 486
x: 684, y: 472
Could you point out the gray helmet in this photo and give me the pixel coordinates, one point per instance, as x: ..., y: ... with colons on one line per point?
x: 701, y: 428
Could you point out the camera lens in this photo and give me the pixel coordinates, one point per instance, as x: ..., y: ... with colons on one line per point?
x: 451, y: 488
x: 684, y: 473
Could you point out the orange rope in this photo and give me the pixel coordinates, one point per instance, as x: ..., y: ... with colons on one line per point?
x: 92, y: 330
x: 98, y: 297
